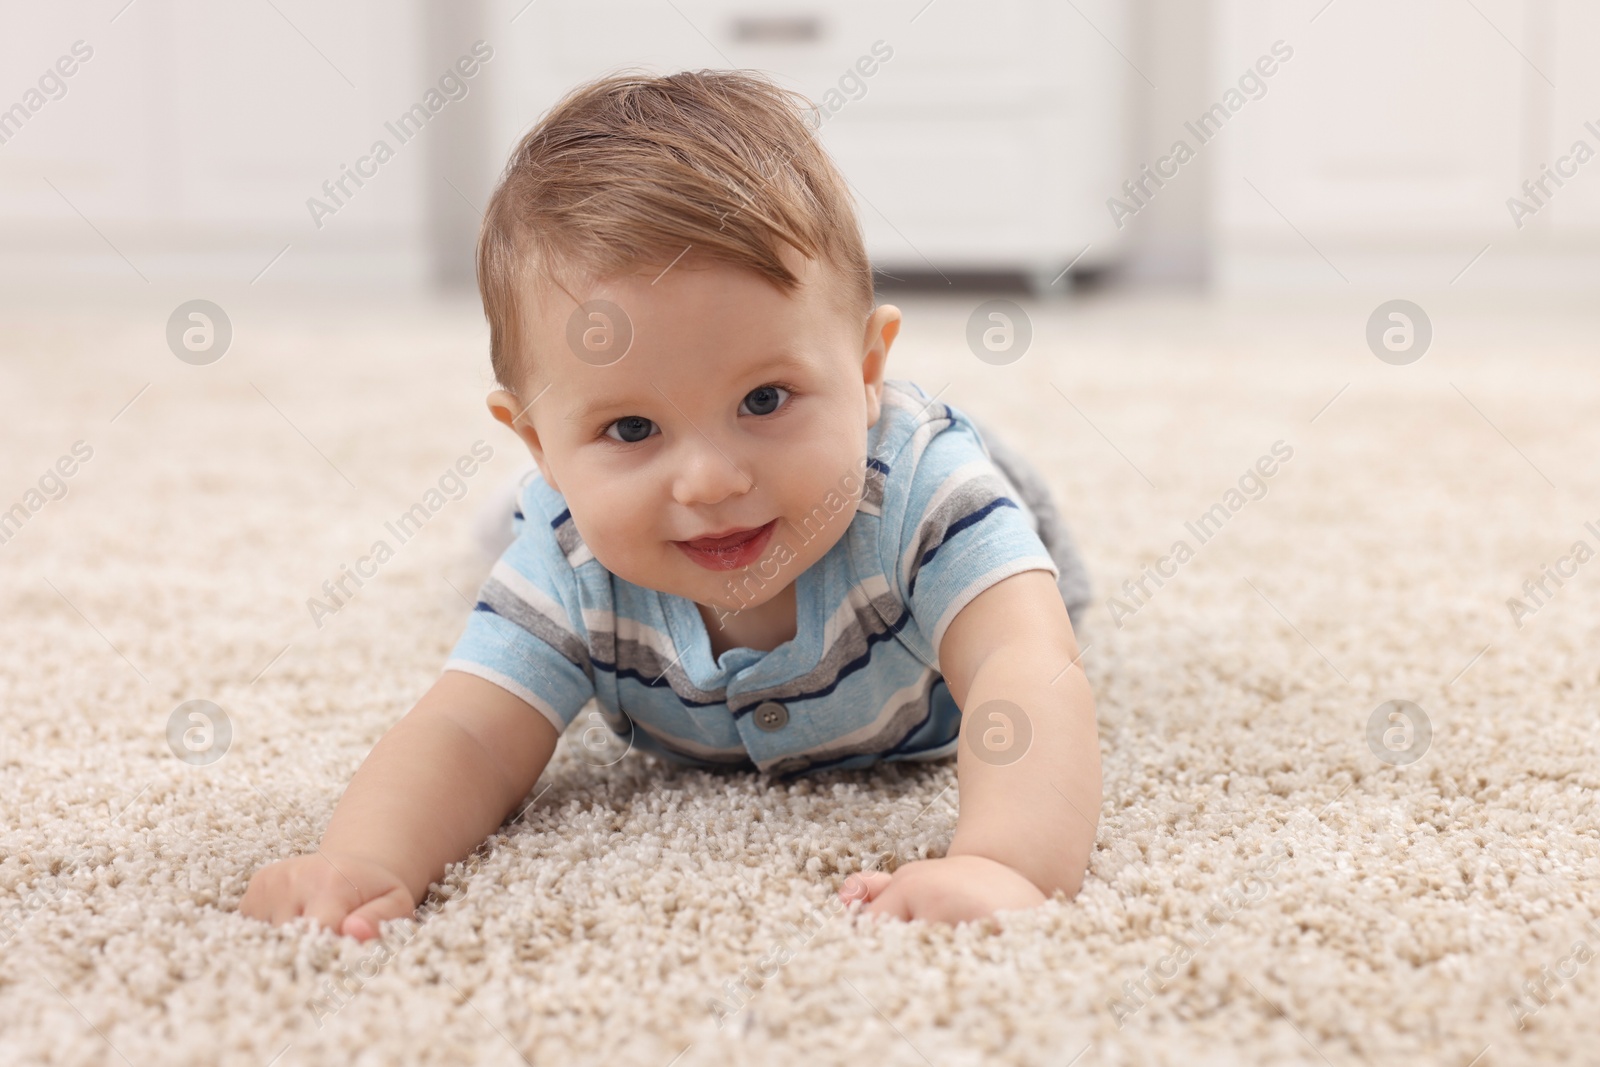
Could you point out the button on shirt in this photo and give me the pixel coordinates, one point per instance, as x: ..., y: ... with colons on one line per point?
x: 771, y: 715
x: 937, y: 524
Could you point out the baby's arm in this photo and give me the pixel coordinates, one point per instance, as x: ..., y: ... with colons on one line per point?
x: 1026, y: 826
x: 430, y: 791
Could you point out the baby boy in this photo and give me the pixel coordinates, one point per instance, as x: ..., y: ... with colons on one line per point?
x: 741, y: 541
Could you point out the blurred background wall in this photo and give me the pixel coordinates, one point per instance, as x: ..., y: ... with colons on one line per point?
x: 1330, y: 142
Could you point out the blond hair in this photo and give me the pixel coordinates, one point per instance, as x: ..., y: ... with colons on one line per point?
x: 634, y: 169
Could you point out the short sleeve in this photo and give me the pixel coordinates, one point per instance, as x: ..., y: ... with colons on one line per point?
x: 526, y: 630
x: 952, y: 526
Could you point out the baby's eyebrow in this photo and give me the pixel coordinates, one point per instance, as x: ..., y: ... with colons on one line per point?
x: 590, y: 410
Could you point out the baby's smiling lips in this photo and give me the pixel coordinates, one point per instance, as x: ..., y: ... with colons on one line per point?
x: 728, y: 551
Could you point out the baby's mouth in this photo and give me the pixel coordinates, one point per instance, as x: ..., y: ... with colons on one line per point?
x: 730, y: 551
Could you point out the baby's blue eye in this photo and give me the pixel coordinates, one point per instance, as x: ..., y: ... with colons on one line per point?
x: 631, y: 429
x: 764, y: 399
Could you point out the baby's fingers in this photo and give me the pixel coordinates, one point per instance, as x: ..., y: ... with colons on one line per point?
x: 329, y: 909
x: 362, y: 924
x: 270, y: 897
x: 891, y: 898
x: 865, y: 885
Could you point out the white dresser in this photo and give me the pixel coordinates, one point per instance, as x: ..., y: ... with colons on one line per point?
x: 987, y: 139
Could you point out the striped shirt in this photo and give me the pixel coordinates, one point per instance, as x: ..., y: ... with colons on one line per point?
x: 937, y: 523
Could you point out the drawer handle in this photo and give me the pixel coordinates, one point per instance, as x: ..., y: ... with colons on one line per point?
x: 777, y: 29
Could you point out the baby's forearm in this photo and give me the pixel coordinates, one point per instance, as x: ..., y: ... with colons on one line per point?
x: 1037, y: 815
x: 440, y: 781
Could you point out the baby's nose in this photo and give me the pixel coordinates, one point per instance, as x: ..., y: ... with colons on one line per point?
x: 706, y: 474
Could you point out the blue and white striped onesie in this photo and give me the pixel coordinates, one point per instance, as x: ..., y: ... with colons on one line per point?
x: 938, y: 523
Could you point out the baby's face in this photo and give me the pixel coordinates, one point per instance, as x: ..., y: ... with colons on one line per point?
x: 737, y: 410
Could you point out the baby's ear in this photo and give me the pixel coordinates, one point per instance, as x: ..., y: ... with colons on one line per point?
x: 507, y: 409
x: 883, y: 326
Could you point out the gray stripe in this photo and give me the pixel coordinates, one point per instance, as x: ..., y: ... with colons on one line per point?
x: 900, y: 725
x: 508, y: 604
x: 877, y: 616
x: 632, y: 655
x: 568, y: 538
x: 971, y: 496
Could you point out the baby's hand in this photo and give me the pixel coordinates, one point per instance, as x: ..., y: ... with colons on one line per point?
x: 954, y: 889
x: 347, y: 894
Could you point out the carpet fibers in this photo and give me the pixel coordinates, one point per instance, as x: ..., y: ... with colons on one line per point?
x: 1289, y: 868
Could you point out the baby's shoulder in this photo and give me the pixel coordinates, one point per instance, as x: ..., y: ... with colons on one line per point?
x: 543, y: 530
x: 916, y: 430
x: 906, y: 407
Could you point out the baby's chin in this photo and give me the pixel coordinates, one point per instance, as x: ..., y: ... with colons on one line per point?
x: 730, y: 591
x: 733, y: 604
x: 675, y: 575
x: 745, y: 589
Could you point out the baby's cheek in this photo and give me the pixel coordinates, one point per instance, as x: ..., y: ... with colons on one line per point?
x: 634, y: 554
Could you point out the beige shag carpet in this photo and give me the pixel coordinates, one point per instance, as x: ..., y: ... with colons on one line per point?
x: 1265, y: 887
